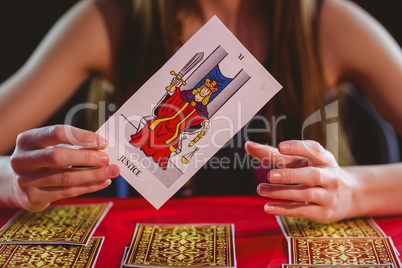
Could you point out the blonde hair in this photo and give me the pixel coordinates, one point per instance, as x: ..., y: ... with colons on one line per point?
x: 205, y: 99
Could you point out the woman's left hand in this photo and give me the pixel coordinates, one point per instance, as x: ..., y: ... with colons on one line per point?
x: 309, y: 177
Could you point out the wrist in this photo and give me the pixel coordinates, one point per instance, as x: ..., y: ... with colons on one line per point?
x: 355, y: 207
x: 362, y: 199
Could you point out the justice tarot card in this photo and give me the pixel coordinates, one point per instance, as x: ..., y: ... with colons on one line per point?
x: 186, y: 112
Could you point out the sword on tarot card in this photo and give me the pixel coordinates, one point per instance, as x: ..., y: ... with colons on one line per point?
x: 190, y: 65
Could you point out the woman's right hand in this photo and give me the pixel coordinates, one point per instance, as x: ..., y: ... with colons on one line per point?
x: 46, y: 172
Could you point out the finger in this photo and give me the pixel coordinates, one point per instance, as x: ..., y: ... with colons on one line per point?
x: 270, y: 155
x: 310, y: 176
x: 300, y: 210
x: 71, y: 177
x: 298, y: 193
x: 41, y: 198
x: 308, y: 149
x: 56, y: 193
x: 60, y: 134
x: 58, y: 158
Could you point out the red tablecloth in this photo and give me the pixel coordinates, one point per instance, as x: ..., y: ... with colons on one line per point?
x: 258, y: 239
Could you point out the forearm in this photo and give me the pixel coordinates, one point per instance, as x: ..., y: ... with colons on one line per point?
x: 378, y: 189
x: 8, y: 191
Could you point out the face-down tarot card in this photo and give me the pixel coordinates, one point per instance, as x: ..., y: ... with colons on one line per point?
x: 186, y: 112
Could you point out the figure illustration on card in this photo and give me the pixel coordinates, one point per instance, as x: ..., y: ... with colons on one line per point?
x: 182, y: 116
x: 179, y: 112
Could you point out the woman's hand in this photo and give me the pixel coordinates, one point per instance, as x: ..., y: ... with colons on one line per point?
x: 45, y: 171
x: 309, y: 177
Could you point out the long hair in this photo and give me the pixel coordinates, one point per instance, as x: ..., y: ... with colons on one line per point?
x: 205, y: 100
x: 147, y: 41
x: 293, y: 59
x: 145, y: 45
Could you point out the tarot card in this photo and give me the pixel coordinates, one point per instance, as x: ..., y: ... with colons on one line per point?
x: 66, y: 224
x: 124, y: 257
x: 339, y: 266
x: 182, y: 245
x: 186, y: 112
x: 64, y: 256
x: 301, y: 227
x: 342, y: 251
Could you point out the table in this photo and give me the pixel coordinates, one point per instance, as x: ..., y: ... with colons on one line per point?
x: 259, y: 241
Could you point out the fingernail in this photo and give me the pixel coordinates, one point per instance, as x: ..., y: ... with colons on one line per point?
x: 107, y: 183
x: 250, y: 143
x: 102, y: 142
x: 284, y: 147
x: 263, y: 188
x: 104, y: 159
x: 275, y: 176
x: 269, y: 209
x: 113, y: 171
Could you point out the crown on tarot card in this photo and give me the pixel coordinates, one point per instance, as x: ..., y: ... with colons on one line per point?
x: 211, y: 85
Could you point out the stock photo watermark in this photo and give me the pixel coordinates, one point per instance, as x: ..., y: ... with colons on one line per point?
x: 221, y: 128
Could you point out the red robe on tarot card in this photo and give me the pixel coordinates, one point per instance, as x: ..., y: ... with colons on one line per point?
x: 160, y: 136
